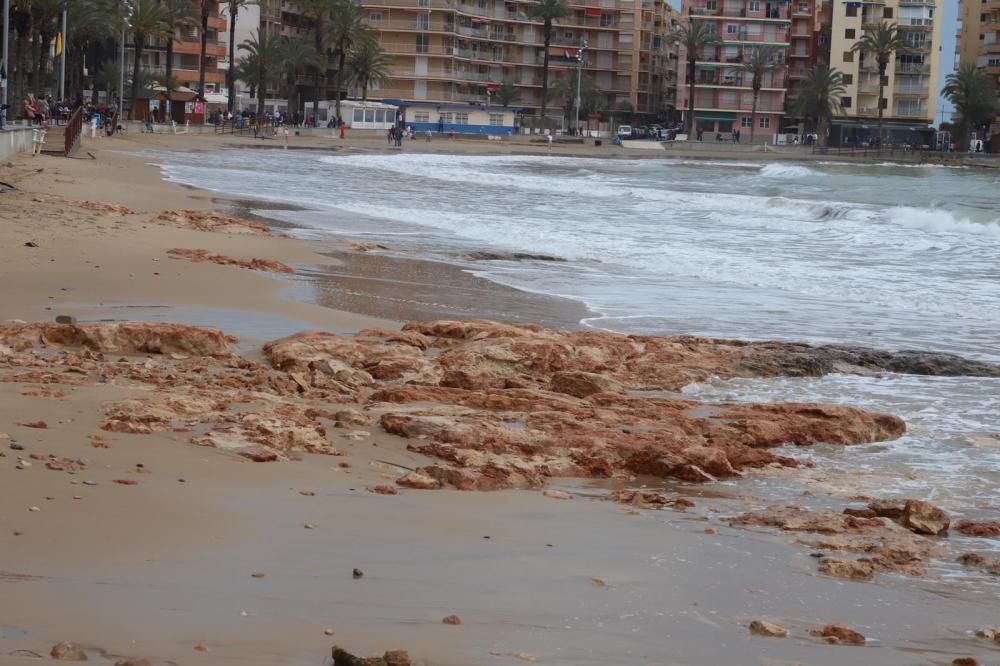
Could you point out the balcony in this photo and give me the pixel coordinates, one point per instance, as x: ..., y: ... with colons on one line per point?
x: 912, y: 67
x: 742, y: 36
x: 916, y: 22
x: 911, y: 112
x: 911, y: 91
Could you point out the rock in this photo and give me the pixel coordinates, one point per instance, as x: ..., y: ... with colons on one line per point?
x: 371, y: 661
x: 924, y: 518
x: 16, y: 446
x: 583, y: 384
x: 68, y: 651
x: 134, y: 661
x: 41, y: 425
x: 965, y: 661
x: 200, y: 647
x: 418, y: 481
x: 258, y: 574
x: 266, y: 265
x: 385, y: 490
x: 351, y: 417
x: 397, y: 658
x: 838, y: 633
x: 210, y: 221
x: 309, y: 526
x: 765, y: 628
x: 342, y: 657
x: 122, y: 338
x: 33, y: 509
x: 451, y: 619
x: 987, y: 529
x: 557, y: 494
x: 849, y: 569
x: 328, y: 631
x: 66, y: 319
x: 358, y: 573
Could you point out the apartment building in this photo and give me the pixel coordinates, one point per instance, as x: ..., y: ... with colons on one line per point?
x: 910, y: 84
x: 451, y: 56
x: 723, y: 94
x: 809, y: 40
x: 978, y: 41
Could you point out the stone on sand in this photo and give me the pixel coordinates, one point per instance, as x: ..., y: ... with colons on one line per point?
x: 765, y: 628
x: 68, y: 651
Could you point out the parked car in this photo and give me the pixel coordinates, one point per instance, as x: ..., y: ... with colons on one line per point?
x: 624, y: 131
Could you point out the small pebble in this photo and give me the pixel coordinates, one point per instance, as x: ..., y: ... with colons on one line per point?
x: 90, y: 483
x: 309, y: 526
x: 328, y: 631
x: 358, y: 573
x: 258, y: 574
x: 16, y: 446
x: 77, y: 497
x: 33, y: 508
x: 201, y: 648
x: 181, y: 480
x: 243, y: 613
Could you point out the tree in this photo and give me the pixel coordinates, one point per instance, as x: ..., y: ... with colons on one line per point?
x: 179, y: 14
x: 89, y: 30
x: 547, y: 11
x: 368, y: 65
x: 592, y: 99
x: 319, y: 11
x: 205, y: 10
x: 974, y: 96
x: 506, y: 94
x: 297, y: 55
x: 758, y: 61
x: 147, y: 18
x: 694, y: 36
x: 882, y: 43
x: 819, y: 97
x: 234, y: 9
x: 347, y: 31
x: 262, y: 64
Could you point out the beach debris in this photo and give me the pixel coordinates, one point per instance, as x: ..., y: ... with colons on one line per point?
x: 765, y: 628
x: 328, y: 631
x: 210, y: 221
x: 839, y: 634
x: 255, y: 264
x: 257, y: 574
x: 201, y: 647
x: 40, y: 425
x: 66, y: 319
x: 342, y: 657
x: 68, y: 651
x: 649, y: 499
x: 988, y: 529
x: 125, y: 482
x: 357, y: 573
x: 557, y: 494
x: 965, y: 661
x: 309, y: 526
x: 451, y: 619
x: 34, y: 509
x: 522, y: 656
x: 989, y: 633
x: 384, y: 490
x: 31, y: 244
x: 598, y: 582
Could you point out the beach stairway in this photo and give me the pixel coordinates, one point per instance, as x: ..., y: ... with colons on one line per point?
x: 64, y: 139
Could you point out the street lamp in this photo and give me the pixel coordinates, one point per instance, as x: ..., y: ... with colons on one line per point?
x: 579, y: 78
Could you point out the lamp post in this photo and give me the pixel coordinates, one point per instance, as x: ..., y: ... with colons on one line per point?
x: 579, y: 79
x: 62, y: 61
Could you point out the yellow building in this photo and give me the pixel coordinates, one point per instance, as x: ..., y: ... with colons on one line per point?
x: 910, y: 85
x: 453, y: 53
x: 979, y: 42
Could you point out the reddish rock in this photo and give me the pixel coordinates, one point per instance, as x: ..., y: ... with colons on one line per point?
x: 988, y: 529
x: 838, y: 633
x: 765, y: 628
x: 210, y: 221
x: 125, y: 482
x: 924, y: 518
x: 418, y: 481
x: 397, y: 658
x: 583, y: 384
x: 385, y: 490
x: 452, y: 619
x: 34, y: 424
x: 266, y: 265
x: 68, y: 651
x: 849, y: 569
x: 121, y: 338
x: 965, y: 661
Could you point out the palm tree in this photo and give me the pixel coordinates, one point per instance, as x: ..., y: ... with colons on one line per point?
x: 757, y: 62
x: 819, y: 97
x: 259, y: 68
x: 881, y: 43
x: 547, y: 11
x: 205, y: 11
x: 592, y: 100
x: 147, y: 19
x: 346, y: 32
x: 974, y: 96
x: 506, y: 94
x: 296, y: 55
x: 319, y: 11
x: 368, y: 65
x: 88, y: 31
x: 694, y: 37
x: 179, y: 14
x: 234, y: 9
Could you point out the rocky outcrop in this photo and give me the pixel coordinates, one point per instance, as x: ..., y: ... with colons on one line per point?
x: 266, y: 265
x: 120, y: 338
x: 915, y: 515
x: 201, y: 220
x: 987, y: 529
x: 838, y: 633
x: 765, y: 628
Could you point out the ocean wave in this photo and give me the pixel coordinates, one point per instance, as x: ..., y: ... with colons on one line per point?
x: 782, y: 170
x: 940, y: 221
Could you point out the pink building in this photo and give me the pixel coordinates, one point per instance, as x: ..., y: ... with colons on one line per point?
x: 724, y: 94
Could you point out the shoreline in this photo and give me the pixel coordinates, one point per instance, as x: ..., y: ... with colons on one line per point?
x: 159, y: 569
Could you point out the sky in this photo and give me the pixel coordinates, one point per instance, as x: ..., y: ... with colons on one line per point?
x: 948, y: 29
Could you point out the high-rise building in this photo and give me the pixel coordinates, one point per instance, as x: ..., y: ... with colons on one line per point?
x: 910, y: 82
x: 723, y: 92
x: 450, y: 57
x: 809, y: 38
x: 979, y: 42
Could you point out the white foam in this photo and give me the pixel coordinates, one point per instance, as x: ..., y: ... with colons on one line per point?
x: 782, y: 170
x: 941, y: 222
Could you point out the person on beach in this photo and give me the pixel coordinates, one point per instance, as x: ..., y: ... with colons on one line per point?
x: 701, y: 132
x: 390, y: 136
x: 451, y: 133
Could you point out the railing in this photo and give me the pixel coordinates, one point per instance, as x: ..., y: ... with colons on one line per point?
x: 74, y: 129
x: 912, y: 67
x: 907, y: 90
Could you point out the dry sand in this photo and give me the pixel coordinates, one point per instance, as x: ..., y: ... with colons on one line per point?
x: 155, y: 569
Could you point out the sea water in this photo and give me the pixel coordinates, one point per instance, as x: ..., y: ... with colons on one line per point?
x: 887, y: 256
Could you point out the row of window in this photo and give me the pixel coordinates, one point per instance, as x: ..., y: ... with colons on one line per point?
x: 764, y: 122
x: 449, y: 118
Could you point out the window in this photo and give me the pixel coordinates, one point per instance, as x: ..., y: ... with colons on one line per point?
x: 607, y: 20
x: 765, y: 122
x: 568, y: 34
x: 422, y: 116
x: 746, y: 122
x: 850, y: 33
x: 884, y: 81
x: 359, y: 116
x: 446, y: 118
x: 848, y: 56
x: 884, y: 103
x: 625, y: 38
x: 375, y: 17
x: 887, y: 12
x: 753, y: 6
x: 423, y: 42
x: 496, y: 119
x: 423, y: 21
x: 380, y: 116
x: 732, y: 28
x: 803, y: 7
x: 852, y: 10
x: 461, y: 118
x: 848, y: 79
x: 845, y: 102
x: 711, y: 5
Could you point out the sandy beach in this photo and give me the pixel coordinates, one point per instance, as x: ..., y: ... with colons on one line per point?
x: 119, y: 533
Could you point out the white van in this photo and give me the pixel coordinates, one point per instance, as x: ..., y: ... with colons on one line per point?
x: 624, y: 131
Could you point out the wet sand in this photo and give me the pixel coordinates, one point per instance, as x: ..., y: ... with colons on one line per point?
x: 155, y: 569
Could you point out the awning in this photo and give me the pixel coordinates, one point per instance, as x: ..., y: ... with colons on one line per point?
x: 712, y: 117
x: 216, y: 98
x: 559, y: 52
x: 593, y: 12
